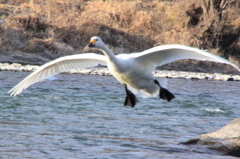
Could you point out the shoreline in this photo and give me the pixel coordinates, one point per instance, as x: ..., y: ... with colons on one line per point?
x: 103, y: 71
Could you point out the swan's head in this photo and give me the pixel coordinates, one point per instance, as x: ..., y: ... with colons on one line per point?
x: 96, y: 42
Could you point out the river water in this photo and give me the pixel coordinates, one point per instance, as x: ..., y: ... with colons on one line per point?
x: 82, y: 116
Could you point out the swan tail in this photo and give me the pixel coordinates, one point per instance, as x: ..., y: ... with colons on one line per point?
x: 165, y: 94
x: 131, y: 99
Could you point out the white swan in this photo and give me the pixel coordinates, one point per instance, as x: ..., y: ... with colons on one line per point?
x: 134, y: 70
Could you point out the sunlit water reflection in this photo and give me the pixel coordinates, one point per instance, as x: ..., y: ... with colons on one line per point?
x: 82, y: 116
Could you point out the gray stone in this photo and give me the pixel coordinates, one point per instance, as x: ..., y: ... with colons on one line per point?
x: 225, y: 140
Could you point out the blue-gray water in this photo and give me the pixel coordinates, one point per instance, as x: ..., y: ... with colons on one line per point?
x: 82, y: 116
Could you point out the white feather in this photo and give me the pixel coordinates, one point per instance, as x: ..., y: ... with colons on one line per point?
x: 59, y: 65
x: 164, y: 54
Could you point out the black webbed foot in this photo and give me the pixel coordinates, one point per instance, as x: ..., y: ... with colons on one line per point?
x: 164, y: 93
x: 131, y: 99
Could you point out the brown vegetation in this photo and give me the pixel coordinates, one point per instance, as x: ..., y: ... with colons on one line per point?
x: 53, y: 28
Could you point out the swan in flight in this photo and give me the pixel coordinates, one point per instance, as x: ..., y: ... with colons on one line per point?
x: 134, y: 71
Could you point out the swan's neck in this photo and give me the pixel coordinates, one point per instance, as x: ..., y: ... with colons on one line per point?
x: 108, y: 53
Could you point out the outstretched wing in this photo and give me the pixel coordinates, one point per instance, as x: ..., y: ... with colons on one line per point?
x: 164, y: 54
x: 59, y: 65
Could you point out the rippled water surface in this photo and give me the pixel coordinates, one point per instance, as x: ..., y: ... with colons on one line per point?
x: 82, y: 116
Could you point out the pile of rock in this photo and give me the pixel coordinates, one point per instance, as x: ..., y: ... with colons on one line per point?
x: 197, y: 75
x: 226, y: 140
x: 103, y: 71
x: 17, y: 67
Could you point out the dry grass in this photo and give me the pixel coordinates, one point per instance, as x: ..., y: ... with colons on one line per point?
x: 37, y: 26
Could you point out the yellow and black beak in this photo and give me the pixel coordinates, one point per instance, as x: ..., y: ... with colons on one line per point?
x: 92, y: 43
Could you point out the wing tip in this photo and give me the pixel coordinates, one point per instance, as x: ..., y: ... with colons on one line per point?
x: 12, y: 93
x: 15, y: 91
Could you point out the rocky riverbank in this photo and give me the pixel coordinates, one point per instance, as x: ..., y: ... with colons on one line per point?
x: 103, y: 71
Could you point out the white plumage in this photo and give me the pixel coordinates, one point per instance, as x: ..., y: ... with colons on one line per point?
x: 134, y: 70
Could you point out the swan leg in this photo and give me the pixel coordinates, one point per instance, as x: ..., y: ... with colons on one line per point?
x: 164, y: 93
x: 131, y: 99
